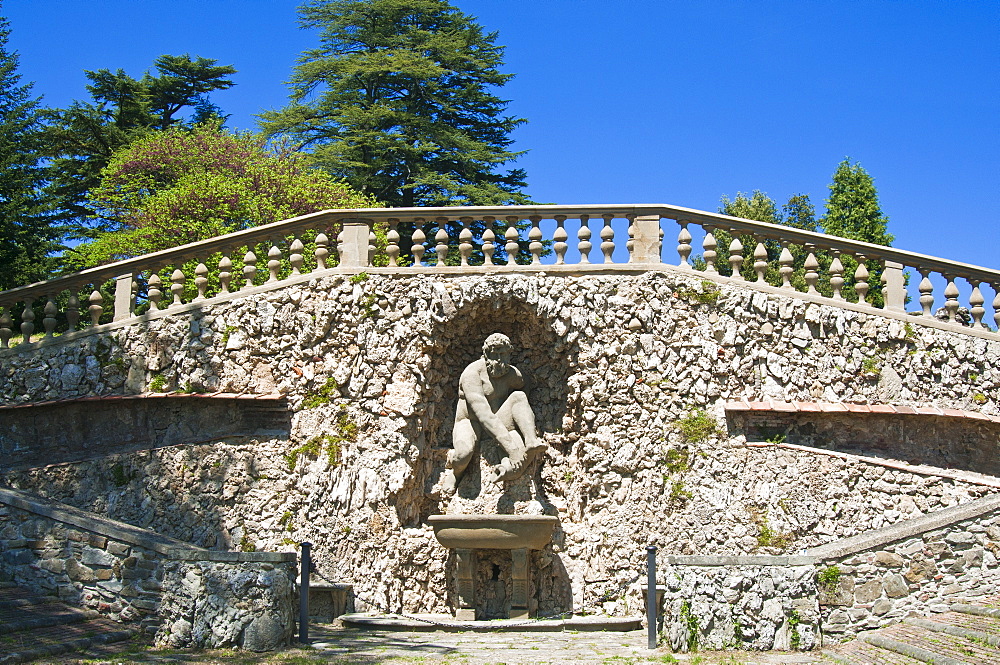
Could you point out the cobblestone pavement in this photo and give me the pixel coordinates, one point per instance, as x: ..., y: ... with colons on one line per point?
x: 342, y: 646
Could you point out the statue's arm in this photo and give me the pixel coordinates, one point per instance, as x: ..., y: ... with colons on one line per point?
x: 479, y: 406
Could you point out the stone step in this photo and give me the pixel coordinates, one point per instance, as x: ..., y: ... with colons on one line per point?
x: 957, y: 631
x: 27, y: 646
x: 858, y: 652
x: 934, y: 646
x: 977, y: 610
x: 41, y: 615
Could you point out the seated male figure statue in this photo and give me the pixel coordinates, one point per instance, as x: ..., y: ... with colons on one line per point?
x: 491, y: 399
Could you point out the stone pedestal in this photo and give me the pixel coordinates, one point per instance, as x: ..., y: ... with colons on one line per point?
x: 517, y: 533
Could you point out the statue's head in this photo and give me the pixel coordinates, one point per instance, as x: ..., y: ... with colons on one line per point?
x: 496, y: 352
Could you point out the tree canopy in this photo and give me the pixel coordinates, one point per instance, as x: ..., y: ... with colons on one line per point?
x: 80, y: 140
x: 28, y: 234
x: 181, y: 185
x: 397, y: 100
x: 853, y: 209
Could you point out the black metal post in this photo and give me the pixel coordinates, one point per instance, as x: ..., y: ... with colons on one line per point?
x: 651, y: 619
x: 305, y: 567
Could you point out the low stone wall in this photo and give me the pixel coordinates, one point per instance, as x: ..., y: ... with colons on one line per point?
x: 186, y: 596
x: 914, y: 568
x: 741, y: 602
x: 829, y: 593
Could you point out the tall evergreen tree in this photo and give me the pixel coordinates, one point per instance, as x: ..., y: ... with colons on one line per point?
x: 853, y: 211
x: 397, y: 101
x: 27, y: 231
x: 81, y: 139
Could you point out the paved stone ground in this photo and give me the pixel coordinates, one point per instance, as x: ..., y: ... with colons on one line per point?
x: 342, y: 646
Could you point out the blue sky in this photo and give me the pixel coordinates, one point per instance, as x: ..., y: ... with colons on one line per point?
x: 650, y: 101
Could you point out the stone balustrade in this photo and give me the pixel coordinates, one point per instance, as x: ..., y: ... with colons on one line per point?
x: 484, y: 239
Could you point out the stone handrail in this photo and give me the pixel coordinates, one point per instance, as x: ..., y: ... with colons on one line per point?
x: 486, y: 239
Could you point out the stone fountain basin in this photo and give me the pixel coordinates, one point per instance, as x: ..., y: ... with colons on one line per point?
x: 493, y: 532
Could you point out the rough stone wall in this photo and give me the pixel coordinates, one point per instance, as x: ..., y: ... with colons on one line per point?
x: 741, y: 606
x: 913, y: 576
x: 120, y: 580
x: 370, y: 367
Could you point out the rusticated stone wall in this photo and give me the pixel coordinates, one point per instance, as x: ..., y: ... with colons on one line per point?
x: 618, y: 362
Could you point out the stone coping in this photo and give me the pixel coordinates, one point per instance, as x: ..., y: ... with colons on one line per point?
x: 128, y: 533
x: 838, y: 407
x: 268, y: 397
x: 725, y: 560
x: 906, y: 529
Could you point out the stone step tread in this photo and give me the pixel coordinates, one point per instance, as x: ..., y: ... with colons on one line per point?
x: 12, y: 593
x: 49, y: 635
x: 32, y: 616
x: 100, y: 643
x: 969, y: 621
x: 857, y: 652
x: 960, y: 648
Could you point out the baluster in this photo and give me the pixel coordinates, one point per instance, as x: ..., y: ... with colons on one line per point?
x: 861, y: 279
x: 836, y: 276
x: 996, y: 304
x: 607, y: 238
x: 512, y: 236
x: 684, y: 244
x: 322, y: 251
x: 5, y: 331
x: 559, y: 237
x: 50, y: 310
x: 372, y: 244
x: 96, y: 307
x: 200, y: 281
x: 176, y: 286
x: 812, y: 270
x: 295, y: 257
x: 976, y: 301
x: 760, y: 261
x: 273, y: 261
x: 341, y: 245
x: 392, y: 243
x: 27, y: 320
x: 441, y: 237
x: 418, y: 242
x: 489, y: 236
x: 225, y: 273
x: 926, y: 293
x: 73, y: 309
x: 153, y: 291
x: 249, y: 268
x: 785, y: 260
x: 583, y: 235
x: 465, y: 240
x: 535, y: 237
x: 736, y: 257
x: 630, y: 243
x: 709, y: 245
x: 951, y: 298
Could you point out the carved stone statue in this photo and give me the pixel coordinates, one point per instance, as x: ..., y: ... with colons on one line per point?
x: 491, y: 399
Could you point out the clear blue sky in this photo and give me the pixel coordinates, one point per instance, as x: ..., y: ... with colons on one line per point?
x: 650, y: 101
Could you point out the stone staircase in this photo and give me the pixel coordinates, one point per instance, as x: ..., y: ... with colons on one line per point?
x: 34, y: 626
x: 966, y: 635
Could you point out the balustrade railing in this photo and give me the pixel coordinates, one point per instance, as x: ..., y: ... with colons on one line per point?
x: 496, y: 239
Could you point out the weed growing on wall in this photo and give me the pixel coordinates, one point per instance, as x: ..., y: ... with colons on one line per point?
x: 346, y: 431
x: 119, y: 477
x: 828, y: 578
x: 794, y: 638
x: 697, y: 427
x: 157, y: 383
x: 766, y: 535
x: 322, y: 396
x: 708, y: 295
x: 690, y: 622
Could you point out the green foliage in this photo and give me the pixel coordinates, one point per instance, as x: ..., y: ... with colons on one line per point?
x: 678, y: 494
x: 396, y: 100
x: 871, y: 366
x: 182, y: 185
x: 81, y: 139
x: 691, y: 623
x: 708, y: 295
x: 979, y: 398
x: 357, y: 279
x: 285, y: 521
x: 157, y: 383
x: 909, y: 334
x: 766, y: 535
x: 229, y: 330
x: 678, y: 460
x: 28, y: 231
x: 829, y: 578
x: 323, y: 395
x: 346, y: 431
x: 794, y: 639
x: 775, y: 438
x: 697, y: 427
x: 119, y: 477
x: 246, y: 545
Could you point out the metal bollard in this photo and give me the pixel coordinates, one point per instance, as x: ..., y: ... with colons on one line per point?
x: 305, y: 567
x: 651, y: 618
